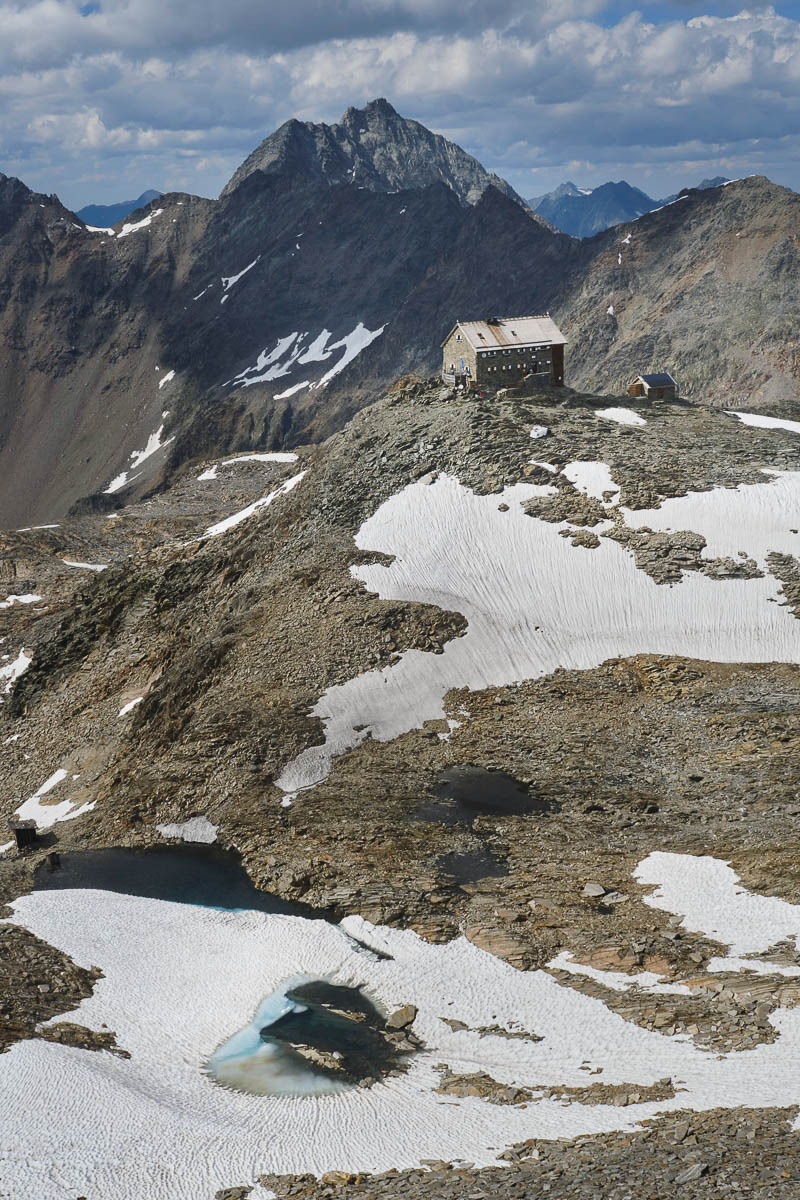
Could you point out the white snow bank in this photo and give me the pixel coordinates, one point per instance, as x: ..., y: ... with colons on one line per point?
x: 296, y: 387
x: 236, y: 519
x: 623, y: 416
x: 100, y: 229
x: 196, y: 829
x: 292, y: 349
x: 82, y: 1122
x: 11, y: 672
x: 228, y: 281
x: 593, y: 479
x: 170, y: 375
x: 137, y: 457
x: 129, y: 227
x: 352, y: 344
x: 276, y: 456
x: 28, y: 598
x: 535, y: 603
x: 708, y: 893
x: 129, y: 707
x: 271, y: 364
x: 46, y: 813
x: 85, y: 566
x: 754, y: 518
x: 762, y: 422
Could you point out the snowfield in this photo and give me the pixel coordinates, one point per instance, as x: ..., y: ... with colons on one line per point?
x: 758, y: 421
x: 535, y: 603
x: 11, y: 671
x: 47, y: 813
x: 137, y: 457
x: 292, y: 349
x: 179, y: 980
x: 623, y: 416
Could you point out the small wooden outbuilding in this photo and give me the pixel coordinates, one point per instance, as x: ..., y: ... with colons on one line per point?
x: 25, y: 833
x: 660, y: 386
x: 501, y: 351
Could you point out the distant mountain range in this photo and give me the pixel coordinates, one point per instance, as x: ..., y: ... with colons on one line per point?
x: 582, y: 212
x: 105, y: 215
x: 266, y: 318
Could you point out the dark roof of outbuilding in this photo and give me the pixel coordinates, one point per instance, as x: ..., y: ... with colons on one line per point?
x: 660, y: 379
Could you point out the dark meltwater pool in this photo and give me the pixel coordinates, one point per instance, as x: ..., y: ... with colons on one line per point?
x: 464, y: 792
x: 470, y: 866
x: 188, y: 874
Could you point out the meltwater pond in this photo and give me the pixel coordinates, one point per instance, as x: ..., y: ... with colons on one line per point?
x: 308, y: 1038
x: 185, y: 874
x: 464, y: 792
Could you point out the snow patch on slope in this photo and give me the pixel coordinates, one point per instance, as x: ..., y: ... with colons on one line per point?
x: 46, y: 813
x: 11, y: 672
x: 196, y: 829
x: 133, y: 227
x: 761, y: 422
x: 623, y: 416
x: 535, y: 603
x: 28, y: 598
x: 137, y: 457
x: 279, y: 361
x: 237, y: 518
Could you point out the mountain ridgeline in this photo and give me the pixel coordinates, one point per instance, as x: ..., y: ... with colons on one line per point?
x: 373, y: 148
x: 583, y: 212
x: 334, y: 261
x: 105, y: 215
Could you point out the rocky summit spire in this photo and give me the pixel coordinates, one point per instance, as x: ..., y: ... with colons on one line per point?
x: 372, y: 147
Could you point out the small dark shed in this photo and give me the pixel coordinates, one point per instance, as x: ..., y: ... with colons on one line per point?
x: 660, y: 386
x: 24, y: 833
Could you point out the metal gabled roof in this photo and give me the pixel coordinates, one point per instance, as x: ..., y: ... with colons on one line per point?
x: 660, y: 379
x: 510, y: 331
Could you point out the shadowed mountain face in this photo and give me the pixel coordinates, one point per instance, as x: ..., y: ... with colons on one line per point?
x: 268, y: 317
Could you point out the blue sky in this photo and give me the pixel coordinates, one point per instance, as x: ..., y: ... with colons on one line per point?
x: 101, y: 99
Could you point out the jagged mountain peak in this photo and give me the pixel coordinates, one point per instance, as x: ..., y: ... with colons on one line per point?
x: 372, y: 147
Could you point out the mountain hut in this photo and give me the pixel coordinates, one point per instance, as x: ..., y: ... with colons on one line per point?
x: 502, y: 351
x: 660, y: 386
